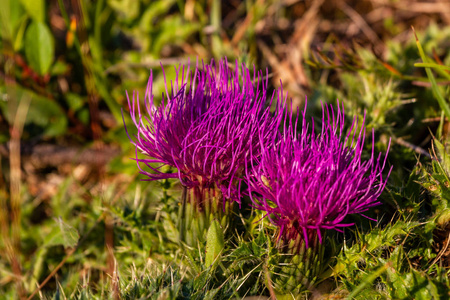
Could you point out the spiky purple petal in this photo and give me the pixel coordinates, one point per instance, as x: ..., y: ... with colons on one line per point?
x: 307, y: 183
x: 210, y: 124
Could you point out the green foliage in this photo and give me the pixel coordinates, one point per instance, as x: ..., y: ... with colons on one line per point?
x: 153, y: 282
x: 248, y: 261
x: 70, y: 68
x: 44, y: 115
x: 437, y: 93
x: 214, y: 243
x: 61, y: 234
x: 39, y: 48
x: 437, y: 182
x: 380, y: 265
x: 13, y: 22
x: 36, y: 9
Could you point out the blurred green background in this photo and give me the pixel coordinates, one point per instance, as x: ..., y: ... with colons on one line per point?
x: 72, y: 208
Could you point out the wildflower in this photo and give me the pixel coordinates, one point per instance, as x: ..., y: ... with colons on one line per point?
x: 308, y: 183
x: 210, y: 124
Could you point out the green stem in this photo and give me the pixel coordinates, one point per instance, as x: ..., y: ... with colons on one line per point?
x: 216, y: 22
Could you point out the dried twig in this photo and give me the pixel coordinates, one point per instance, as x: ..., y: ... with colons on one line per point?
x: 45, y: 155
x: 417, y: 149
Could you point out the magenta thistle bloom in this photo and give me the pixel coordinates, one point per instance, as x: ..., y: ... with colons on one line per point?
x: 207, y: 127
x: 307, y: 183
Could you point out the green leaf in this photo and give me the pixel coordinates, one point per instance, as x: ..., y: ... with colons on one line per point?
x: 35, y: 8
x: 214, y: 243
x: 414, y: 285
x: 39, y: 48
x: 62, y: 234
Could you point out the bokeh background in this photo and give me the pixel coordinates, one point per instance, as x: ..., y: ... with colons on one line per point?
x: 72, y: 209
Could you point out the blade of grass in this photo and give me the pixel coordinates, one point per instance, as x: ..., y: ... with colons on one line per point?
x: 432, y: 65
x: 434, y: 86
x: 368, y: 281
x: 441, y: 69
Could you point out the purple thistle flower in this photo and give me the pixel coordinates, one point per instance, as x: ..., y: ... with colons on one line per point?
x: 209, y: 125
x: 307, y: 183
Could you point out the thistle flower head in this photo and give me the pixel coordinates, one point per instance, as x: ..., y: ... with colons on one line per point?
x: 307, y: 183
x: 206, y: 126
